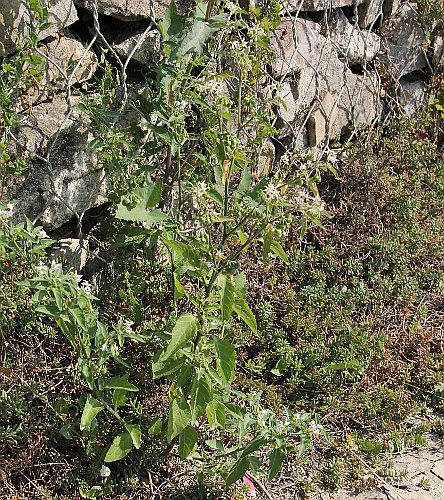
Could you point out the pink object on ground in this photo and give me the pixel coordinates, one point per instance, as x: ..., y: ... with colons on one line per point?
x: 249, y: 482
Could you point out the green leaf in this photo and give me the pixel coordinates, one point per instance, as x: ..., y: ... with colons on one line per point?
x: 163, y: 367
x: 131, y: 236
x: 267, y: 241
x: 244, y: 312
x: 276, y: 248
x: 190, y: 254
x: 201, y: 31
x: 120, y: 447
x: 280, y: 368
x: 171, y: 24
x: 276, y: 457
x: 226, y: 291
x: 184, y: 330
x: 178, y: 418
x: 140, y: 214
x: 155, y: 427
x: 120, y: 383
x: 52, y: 311
x: 65, y: 431
x: 187, y: 441
x: 200, y: 397
x: 244, y: 184
x: 225, y: 358
x: 95, y: 143
x: 237, y: 470
x: 79, y: 316
x: 85, y: 367
x: 90, y: 410
x: 216, y: 414
x: 135, y: 433
x: 150, y: 195
x: 58, y: 297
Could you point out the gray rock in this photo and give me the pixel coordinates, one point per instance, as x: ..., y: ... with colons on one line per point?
x: 135, y: 10
x: 75, y: 177
x: 70, y: 250
x: 368, y: 12
x: 412, y: 95
x: 355, y: 45
x: 438, y: 50
x: 148, y: 53
x: 65, y: 53
x: 14, y: 16
x: 405, y: 40
x: 389, y: 8
x: 314, y: 5
x: 315, y: 70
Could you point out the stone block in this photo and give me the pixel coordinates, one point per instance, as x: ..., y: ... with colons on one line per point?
x: 14, y: 17
x: 135, y: 10
x: 357, y: 46
x: 412, y: 94
x: 291, y: 6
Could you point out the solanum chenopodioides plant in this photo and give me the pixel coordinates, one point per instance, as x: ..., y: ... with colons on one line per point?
x: 68, y: 300
x: 206, y: 166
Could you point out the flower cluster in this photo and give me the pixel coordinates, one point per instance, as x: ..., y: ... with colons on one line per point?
x: 315, y: 429
x: 5, y: 215
x: 256, y: 31
x: 271, y: 193
x: 241, y: 46
x: 232, y: 7
x: 200, y: 189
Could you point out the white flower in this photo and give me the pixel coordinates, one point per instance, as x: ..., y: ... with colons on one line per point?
x: 232, y: 7
x: 256, y: 31
x: 215, y: 86
x: 104, y: 348
x: 7, y: 214
x: 271, y: 193
x: 114, y: 350
x: 297, y: 417
x: 76, y: 277
x: 285, y: 159
x: 54, y: 267
x: 181, y: 106
x: 281, y: 426
x: 200, y: 189
x: 42, y: 234
x: 10, y: 207
x: 315, y: 429
x: 86, y: 287
x: 127, y: 326
x: 97, y: 98
x: 241, y: 46
x: 220, y: 255
x: 105, y: 471
x: 41, y: 269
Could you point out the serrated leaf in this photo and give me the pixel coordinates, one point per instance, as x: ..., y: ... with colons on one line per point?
x: 225, y: 358
x: 120, y: 447
x: 226, y: 293
x: 187, y: 441
x: 90, y: 410
x: 178, y: 418
x: 241, y: 308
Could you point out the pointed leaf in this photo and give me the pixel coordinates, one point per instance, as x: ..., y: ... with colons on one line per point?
x: 244, y: 312
x: 236, y: 471
x: 187, y: 441
x: 200, y: 397
x: 90, y: 410
x: 179, y: 417
x: 226, y: 292
x: 276, y: 248
x: 276, y: 457
x: 225, y: 358
x: 119, y: 448
x: 184, y: 330
x: 267, y: 241
x: 120, y: 383
x: 135, y: 433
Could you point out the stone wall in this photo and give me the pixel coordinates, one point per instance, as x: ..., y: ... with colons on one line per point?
x: 333, y: 60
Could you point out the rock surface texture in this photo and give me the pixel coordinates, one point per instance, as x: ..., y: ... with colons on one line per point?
x: 330, y: 58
